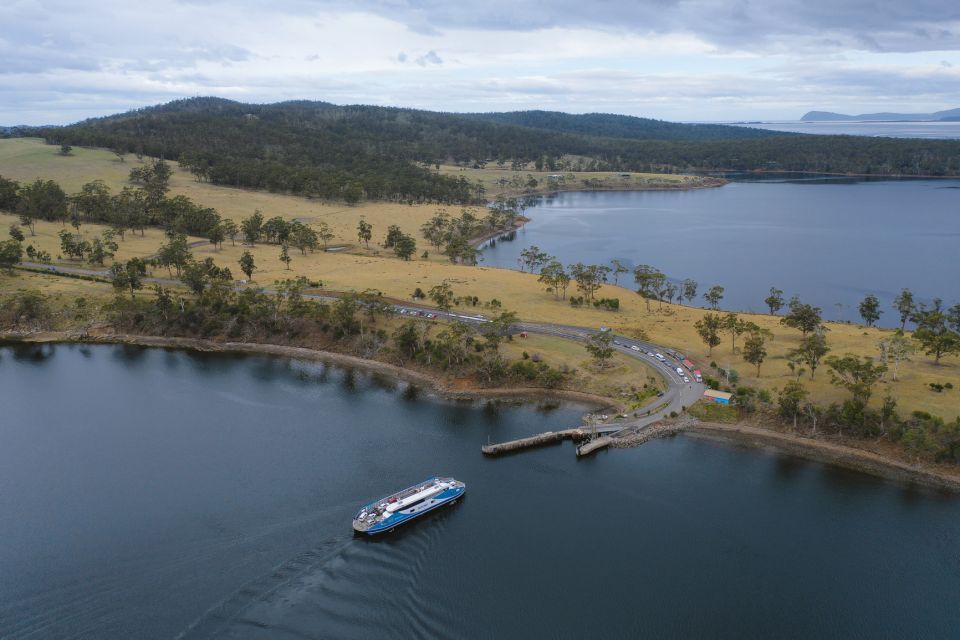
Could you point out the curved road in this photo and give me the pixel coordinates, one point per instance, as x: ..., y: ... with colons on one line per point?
x: 679, y: 394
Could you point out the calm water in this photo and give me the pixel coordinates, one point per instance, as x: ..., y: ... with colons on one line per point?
x: 159, y: 494
x: 931, y: 130
x: 830, y: 242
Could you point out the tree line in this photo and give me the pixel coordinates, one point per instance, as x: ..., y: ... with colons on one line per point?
x: 382, y: 153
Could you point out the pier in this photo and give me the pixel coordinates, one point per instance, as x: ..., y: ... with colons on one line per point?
x: 548, y: 437
x: 596, y: 437
x: 593, y: 445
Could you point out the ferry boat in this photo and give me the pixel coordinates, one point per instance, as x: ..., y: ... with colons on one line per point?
x: 391, y: 511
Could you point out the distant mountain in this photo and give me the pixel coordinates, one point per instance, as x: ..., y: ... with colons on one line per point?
x: 829, y: 116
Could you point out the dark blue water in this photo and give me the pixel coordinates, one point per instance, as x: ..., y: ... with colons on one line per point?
x: 160, y: 494
x: 830, y: 243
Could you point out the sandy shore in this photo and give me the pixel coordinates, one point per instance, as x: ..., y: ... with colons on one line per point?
x: 828, y: 452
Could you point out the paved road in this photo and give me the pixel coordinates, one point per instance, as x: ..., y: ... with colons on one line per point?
x: 679, y: 394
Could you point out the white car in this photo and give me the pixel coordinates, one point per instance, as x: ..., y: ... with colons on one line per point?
x: 659, y: 356
x: 635, y: 347
x: 686, y: 379
x: 679, y: 371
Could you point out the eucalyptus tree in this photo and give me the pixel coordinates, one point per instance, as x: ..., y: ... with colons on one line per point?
x: 589, y: 277
x: 689, y: 287
x: 870, y: 309
x: 364, y: 232
x: 247, y: 264
x: 556, y: 279
x: 811, y: 350
x: 774, y: 301
x: 804, y: 317
x: 708, y: 328
x: 600, y: 347
x: 618, y: 268
x: 713, y: 296
x: 754, y: 350
x: 905, y: 306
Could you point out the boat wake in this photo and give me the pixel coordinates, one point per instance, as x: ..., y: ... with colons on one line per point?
x: 344, y: 588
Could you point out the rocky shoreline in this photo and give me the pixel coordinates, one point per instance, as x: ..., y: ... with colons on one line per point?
x: 827, y: 452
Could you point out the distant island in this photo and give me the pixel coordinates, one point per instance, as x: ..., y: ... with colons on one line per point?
x: 829, y: 116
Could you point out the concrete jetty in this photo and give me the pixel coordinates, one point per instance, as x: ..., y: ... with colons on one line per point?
x: 533, y: 441
x: 593, y: 445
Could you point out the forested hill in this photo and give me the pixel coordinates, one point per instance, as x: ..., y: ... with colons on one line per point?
x: 350, y: 152
x: 609, y: 125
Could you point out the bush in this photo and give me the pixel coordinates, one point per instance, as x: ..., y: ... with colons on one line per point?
x: 610, y: 304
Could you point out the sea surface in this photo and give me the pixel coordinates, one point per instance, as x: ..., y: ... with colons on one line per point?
x: 829, y: 240
x: 148, y: 494
x: 931, y: 130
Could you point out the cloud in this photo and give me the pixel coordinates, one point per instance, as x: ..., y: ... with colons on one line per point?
x: 673, y: 59
x: 430, y: 57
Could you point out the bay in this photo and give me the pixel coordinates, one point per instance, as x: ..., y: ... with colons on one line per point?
x: 830, y: 241
x: 155, y: 494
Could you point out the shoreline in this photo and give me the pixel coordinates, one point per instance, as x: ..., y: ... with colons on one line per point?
x: 824, y: 451
x: 434, y: 384
x: 714, y: 182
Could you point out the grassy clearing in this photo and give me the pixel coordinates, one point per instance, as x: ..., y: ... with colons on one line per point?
x: 622, y: 379
x: 25, y: 159
x: 491, y: 176
x: 359, y: 269
x: 710, y: 412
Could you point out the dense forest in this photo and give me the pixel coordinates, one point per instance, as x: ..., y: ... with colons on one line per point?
x: 609, y: 125
x: 354, y: 152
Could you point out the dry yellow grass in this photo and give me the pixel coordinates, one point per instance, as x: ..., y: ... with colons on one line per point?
x: 620, y: 379
x: 670, y: 325
x: 25, y: 159
x: 490, y: 177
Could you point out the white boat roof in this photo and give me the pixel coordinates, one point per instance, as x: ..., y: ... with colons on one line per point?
x: 418, y: 496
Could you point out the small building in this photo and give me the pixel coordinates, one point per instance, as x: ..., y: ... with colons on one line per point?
x: 718, y: 397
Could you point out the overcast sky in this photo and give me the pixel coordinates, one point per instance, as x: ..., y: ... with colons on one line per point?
x: 64, y: 60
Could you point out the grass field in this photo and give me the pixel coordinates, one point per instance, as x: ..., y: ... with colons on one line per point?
x: 493, y: 178
x: 359, y: 269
